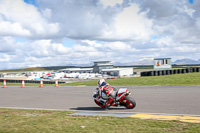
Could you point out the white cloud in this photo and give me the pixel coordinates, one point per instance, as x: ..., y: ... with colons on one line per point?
x: 184, y: 49
x: 190, y: 12
x: 23, y: 19
x: 7, y: 28
x: 92, y: 43
x: 197, y: 23
x: 111, y: 2
x: 118, y: 46
x: 35, y: 65
x: 46, y: 13
x: 45, y: 48
x: 7, y: 44
x: 164, y: 42
x: 81, y: 48
x: 131, y: 24
x: 4, y: 58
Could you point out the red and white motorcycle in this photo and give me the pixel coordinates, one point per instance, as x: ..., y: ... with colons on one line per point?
x: 121, y: 98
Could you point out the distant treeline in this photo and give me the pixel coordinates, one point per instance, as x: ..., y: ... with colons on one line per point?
x: 135, y: 66
x: 151, y: 66
x: 55, y: 68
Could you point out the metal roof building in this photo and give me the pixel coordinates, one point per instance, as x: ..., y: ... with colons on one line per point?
x: 99, y: 65
x: 118, y: 71
x: 77, y: 70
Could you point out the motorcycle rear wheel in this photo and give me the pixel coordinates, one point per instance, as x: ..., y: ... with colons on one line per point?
x: 128, y: 102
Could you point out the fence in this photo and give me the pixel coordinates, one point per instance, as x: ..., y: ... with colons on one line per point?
x: 30, y: 81
x: 169, y: 72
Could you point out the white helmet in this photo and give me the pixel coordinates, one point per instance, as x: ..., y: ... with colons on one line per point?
x: 101, y: 82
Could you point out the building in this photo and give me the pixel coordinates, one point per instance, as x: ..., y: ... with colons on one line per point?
x: 118, y: 71
x: 99, y: 65
x: 162, y: 64
x: 77, y: 70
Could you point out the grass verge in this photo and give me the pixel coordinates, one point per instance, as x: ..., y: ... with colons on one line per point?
x: 167, y: 80
x: 17, y: 120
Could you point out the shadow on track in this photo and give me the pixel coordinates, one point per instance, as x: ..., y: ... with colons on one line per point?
x: 96, y: 108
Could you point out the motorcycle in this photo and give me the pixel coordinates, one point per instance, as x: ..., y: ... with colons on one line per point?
x: 121, y: 98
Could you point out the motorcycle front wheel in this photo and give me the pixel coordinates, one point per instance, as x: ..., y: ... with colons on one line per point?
x: 128, y: 102
x: 99, y: 104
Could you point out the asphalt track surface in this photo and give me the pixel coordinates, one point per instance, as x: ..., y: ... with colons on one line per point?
x: 149, y: 99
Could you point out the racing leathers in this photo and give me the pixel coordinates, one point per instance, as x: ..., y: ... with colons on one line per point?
x: 107, y: 91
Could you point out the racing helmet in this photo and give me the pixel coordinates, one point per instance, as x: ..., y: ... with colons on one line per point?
x: 101, y: 82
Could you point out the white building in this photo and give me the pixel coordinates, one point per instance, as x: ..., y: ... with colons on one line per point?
x: 118, y: 71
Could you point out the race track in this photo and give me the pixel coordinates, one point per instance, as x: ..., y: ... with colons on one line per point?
x: 153, y: 99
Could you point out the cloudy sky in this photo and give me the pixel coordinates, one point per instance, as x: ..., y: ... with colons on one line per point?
x: 36, y: 33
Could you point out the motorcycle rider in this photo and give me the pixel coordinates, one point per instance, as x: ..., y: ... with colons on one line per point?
x: 106, y: 90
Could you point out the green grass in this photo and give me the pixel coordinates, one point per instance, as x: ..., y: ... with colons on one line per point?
x: 167, y: 80
x: 41, y: 121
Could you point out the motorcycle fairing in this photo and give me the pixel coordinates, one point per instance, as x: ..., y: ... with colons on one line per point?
x: 121, y: 94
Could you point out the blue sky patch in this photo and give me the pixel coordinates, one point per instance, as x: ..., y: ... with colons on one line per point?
x: 20, y: 39
x: 31, y: 2
x: 100, y: 42
x: 68, y: 42
x: 154, y: 37
x: 191, y: 1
